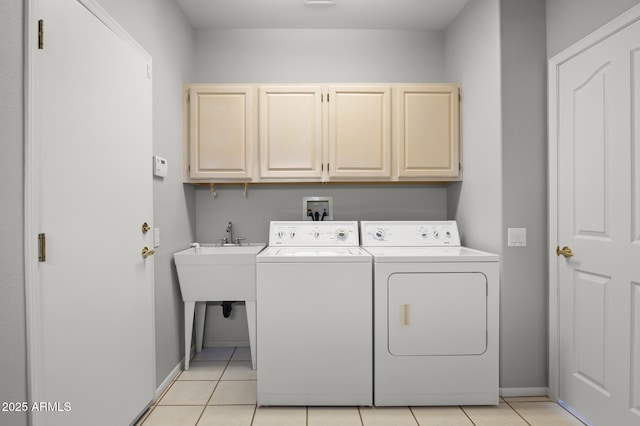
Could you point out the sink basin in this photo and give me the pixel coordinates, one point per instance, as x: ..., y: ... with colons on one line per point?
x: 215, y: 272
x: 219, y: 254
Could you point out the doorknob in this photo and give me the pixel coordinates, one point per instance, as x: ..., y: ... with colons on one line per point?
x: 146, y: 252
x: 564, y: 251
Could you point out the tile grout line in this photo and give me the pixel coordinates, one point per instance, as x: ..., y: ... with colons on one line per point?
x: 517, y: 412
x: 468, y: 416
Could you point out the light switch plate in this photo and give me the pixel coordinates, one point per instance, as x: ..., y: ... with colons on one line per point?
x: 517, y: 237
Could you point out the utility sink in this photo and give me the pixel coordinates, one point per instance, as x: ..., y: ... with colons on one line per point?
x: 218, y: 272
x: 225, y: 272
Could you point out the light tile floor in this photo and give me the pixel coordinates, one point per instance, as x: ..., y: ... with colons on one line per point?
x: 220, y: 389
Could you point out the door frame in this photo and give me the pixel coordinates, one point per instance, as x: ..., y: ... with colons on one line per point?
x: 32, y: 188
x: 607, y: 30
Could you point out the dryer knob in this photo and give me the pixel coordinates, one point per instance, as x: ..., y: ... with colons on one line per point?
x: 378, y: 234
x: 436, y: 234
x: 341, y: 234
x: 280, y: 234
x: 292, y: 234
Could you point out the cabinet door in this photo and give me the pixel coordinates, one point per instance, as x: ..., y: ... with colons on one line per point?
x: 290, y: 132
x: 359, y: 132
x: 428, y: 131
x: 221, y: 132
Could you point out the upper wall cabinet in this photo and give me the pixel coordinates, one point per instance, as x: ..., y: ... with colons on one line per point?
x: 359, y: 132
x: 320, y: 133
x: 428, y: 132
x: 221, y: 132
x: 291, y: 132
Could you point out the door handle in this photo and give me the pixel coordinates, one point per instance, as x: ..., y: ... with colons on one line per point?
x: 564, y: 251
x: 146, y: 252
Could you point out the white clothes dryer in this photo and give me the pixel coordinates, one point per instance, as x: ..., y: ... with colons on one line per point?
x: 435, y: 316
x: 314, y: 316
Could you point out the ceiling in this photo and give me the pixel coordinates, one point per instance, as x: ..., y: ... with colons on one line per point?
x: 345, y: 14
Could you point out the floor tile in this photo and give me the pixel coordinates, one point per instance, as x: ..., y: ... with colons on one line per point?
x: 385, y: 416
x: 494, y: 415
x: 441, y: 416
x: 545, y: 413
x: 214, y: 354
x: 227, y: 415
x: 188, y: 393
x: 206, y: 370
x: 239, y: 370
x: 333, y: 416
x: 180, y: 415
x: 235, y: 392
x: 242, y: 354
x: 280, y: 416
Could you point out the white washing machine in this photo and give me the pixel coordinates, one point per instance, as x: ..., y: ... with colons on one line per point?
x: 435, y: 316
x: 314, y: 316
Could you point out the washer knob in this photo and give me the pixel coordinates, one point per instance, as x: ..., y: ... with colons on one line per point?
x: 436, y: 234
x: 292, y: 233
x: 341, y: 234
x: 316, y: 233
x: 280, y: 234
x: 378, y: 234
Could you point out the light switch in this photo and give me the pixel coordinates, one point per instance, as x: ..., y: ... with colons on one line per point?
x: 517, y: 237
x: 156, y: 237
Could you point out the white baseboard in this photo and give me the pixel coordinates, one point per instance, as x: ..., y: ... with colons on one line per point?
x: 165, y: 384
x: 225, y: 343
x: 512, y: 392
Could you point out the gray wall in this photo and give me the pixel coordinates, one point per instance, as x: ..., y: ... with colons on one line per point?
x: 318, y: 56
x: 569, y: 21
x: 13, y: 355
x: 161, y: 28
x: 524, y: 292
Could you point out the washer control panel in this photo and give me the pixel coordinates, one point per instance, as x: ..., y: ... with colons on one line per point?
x: 410, y: 234
x: 304, y: 233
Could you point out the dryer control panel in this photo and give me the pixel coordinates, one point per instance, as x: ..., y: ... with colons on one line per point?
x: 311, y: 234
x: 410, y: 234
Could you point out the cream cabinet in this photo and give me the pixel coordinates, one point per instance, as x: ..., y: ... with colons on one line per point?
x: 428, y: 132
x: 322, y: 133
x: 221, y: 132
x: 359, y: 138
x: 291, y: 132
x: 325, y: 132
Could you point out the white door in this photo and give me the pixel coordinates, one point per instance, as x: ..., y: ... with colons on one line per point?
x: 598, y: 188
x: 89, y: 189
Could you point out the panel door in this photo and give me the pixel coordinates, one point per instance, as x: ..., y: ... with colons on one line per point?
x: 221, y: 132
x: 359, y: 132
x: 428, y: 131
x: 437, y: 313
x: 291, y: 132
x: 92, y: 351
x: 598, y: 218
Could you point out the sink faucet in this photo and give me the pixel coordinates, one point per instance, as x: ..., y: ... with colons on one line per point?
x: 230, y: 231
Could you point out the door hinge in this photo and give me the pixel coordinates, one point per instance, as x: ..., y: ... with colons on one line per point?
x: 42, y: 247
x: 41, y: 34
